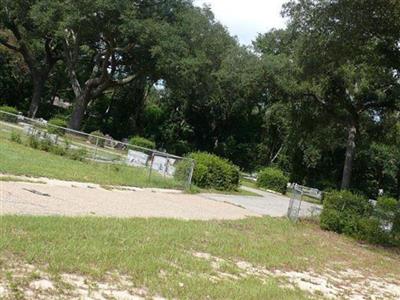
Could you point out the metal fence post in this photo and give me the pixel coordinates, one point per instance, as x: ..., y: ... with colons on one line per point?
x: 151, y: 166
x: 166, y: 167
x: 95, y: 150
x: 189, y: 182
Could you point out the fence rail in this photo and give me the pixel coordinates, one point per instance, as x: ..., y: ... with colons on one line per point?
x: 102, y: 149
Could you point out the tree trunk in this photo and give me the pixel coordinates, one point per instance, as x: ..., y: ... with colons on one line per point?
x: 350, y: 151
x: 38, y: 87
x: 78, y: 112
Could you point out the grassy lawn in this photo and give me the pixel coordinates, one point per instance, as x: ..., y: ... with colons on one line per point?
x: 159, y: 254
x: 17, y: 159
x: 249, y: 183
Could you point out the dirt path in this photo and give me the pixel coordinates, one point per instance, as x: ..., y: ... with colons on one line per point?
x: 77, y: 199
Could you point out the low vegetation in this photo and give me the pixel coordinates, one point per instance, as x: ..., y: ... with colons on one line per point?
x: 142, y: 142
x: 354, y: 215
x: 187, y: 259
x: 42, y: 159
x: 97, y: 138
x: 272, y: 179
x: 6, y: 117
x: 57, y: 122
x: 212, y: 172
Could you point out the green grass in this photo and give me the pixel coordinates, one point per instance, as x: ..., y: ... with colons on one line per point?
x: 143, y: 248
x: 249, y: 183
x: 18, y: 159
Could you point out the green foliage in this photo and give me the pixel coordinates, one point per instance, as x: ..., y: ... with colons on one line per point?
x: 48, y: 146
x: 8, y: 118
x: 97, y: 141
x: 33, y: 142
x: 346, y: 201
x: 57, y: 122
x: 388, y: 211
x: 16, y: 137
x: 142, y: 142
x: 345, y: 212
x: 213, y: 172
x: 273, y: 179
x: 77, y: 154
x: 182, y: 171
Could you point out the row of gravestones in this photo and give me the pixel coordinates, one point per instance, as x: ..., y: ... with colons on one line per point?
x: 161, y: 164
x: 40, y: 134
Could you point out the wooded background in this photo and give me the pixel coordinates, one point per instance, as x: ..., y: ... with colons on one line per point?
x: 319, y: 99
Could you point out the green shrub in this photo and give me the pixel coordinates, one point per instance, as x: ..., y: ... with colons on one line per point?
x: 77, y: 154
x: 58, y: 150
x: 6, y: 117
x: 46, y: 145
x: 388, y: 212
x: 210, y: 171
x: 94, y: 140
x: 330, y: 219
x: 370, y: 229
x: 16, y: 137
x: 347, y: 202
x: 351, y: 214
x: 57, y: 122
x: 272, y: 179
x: 182, y: 170
x: 142, y: 142
x: 33, y: 142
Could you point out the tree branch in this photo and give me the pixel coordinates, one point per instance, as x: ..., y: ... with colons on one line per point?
x: 9, y: 46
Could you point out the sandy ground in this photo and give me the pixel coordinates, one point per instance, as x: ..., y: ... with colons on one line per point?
x: 77, y: 199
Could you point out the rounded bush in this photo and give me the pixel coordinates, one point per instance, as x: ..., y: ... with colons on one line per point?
x: 142, y: 142
x: 388, y: 211
x: 370, y: 229
x: 95, y: 141
x: 273, y: 179
x: 330, y: 219
x: 57, y: 122
x: 6, y: 117
x: 346, y: 201
x: 210, y: 171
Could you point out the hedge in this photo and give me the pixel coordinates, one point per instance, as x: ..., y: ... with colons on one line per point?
x: 59, y: 123
x: 272, y: 179
x: 210, y: 172
x: 8, y: 118
x: 142, y: 142
x: 354, y: 215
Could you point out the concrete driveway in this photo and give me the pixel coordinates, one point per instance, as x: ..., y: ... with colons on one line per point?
x: 267, y: 204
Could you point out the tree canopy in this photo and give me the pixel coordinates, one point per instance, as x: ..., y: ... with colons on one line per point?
x: 318, y: 99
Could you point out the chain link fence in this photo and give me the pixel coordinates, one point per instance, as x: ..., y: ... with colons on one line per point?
x: 160, y: 166
x: 297, y: 198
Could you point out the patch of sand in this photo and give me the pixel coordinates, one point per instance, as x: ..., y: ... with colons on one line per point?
x: 20, y: 284
x: 332, y: 284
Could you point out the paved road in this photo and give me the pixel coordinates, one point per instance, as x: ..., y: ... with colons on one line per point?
x: 268, y: 204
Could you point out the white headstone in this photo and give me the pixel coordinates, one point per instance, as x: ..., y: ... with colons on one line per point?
x: 137, y: 159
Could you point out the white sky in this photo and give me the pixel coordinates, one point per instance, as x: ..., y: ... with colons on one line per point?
x: 247, y: 18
